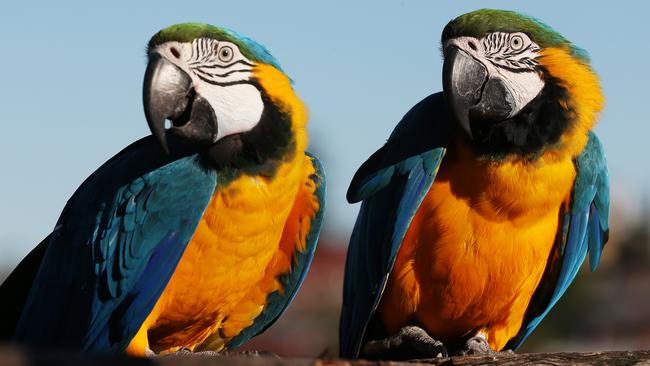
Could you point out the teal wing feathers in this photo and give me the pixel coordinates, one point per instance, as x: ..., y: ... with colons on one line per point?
x: 392, y: 184
x: 114, y: 249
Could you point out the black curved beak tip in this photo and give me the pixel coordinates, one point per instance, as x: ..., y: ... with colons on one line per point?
x: 463, y: 78
x: 155, y: 120
x: 164, y: 95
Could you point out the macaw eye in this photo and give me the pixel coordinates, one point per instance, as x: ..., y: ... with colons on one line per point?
x: 516, y: 42
x: 225, y: 54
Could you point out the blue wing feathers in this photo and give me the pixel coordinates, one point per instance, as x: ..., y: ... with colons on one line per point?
x: 596, y: 238
x: 116, y: 245
x: 425, y: 127
x: 392, y: 184
x: 381, y: 225
x: 159, y: 245
x: 140, y: 302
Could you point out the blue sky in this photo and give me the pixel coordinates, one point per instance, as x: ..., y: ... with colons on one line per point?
x: 71, y: 75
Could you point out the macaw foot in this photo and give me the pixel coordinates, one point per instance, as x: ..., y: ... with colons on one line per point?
x: 478, y: 345
x: 188, y: 352
x: 410, y: 342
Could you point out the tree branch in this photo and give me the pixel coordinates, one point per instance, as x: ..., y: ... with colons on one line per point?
x: 12, y: 355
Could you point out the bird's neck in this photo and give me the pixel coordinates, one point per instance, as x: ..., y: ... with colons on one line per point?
x: 517, y: 190
x: 281, y: 93
x: 281, y: 135
x: 583, y: 105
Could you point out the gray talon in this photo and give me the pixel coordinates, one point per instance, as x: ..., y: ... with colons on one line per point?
x: 410, y: 342
x: 476, y: 346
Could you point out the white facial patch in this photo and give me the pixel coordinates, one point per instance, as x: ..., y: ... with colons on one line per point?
x: 233, y: 115
x: 220, y: 74
x: 512, y: 57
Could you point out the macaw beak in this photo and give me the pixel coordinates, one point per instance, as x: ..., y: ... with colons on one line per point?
x: 168, y: 94
x: 473, y: 95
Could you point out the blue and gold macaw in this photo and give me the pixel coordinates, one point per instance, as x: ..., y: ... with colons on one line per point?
x: 202, y: 247
x: 484, y: 202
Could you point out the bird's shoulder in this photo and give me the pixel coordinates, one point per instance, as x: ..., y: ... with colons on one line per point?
x: 140, y: 204
x: 426, y: 127
x: 140, y: 158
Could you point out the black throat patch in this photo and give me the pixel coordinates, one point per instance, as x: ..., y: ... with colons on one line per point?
x: 255, y: 152
x: 538, y: 125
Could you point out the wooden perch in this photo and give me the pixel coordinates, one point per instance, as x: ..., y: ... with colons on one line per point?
x: 15, y: 356
x: 564, y: 358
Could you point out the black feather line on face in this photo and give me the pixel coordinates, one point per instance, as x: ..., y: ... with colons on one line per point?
x: 258, y: 151
x: 538, y: 125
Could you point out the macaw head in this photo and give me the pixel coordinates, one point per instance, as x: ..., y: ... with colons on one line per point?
x: 221, y: 90
x: 517, y: 86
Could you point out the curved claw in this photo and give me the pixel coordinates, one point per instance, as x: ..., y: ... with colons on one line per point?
x: 477, y: 345
x: 411, y: 342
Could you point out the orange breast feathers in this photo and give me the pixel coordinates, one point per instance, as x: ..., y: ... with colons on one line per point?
x: 477, y: 247
x: 244, y: 241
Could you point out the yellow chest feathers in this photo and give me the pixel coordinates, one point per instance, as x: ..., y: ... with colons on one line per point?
x: 222, y: 273
x: 516, y: 191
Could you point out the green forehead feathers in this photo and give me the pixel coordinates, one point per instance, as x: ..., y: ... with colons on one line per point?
x: 481, y: 22
x: 186, y: 32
